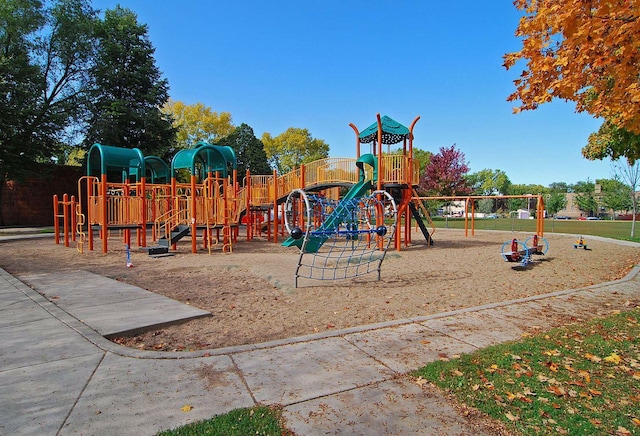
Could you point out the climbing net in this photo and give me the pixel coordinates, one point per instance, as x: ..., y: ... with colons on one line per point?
x: 340, y: 239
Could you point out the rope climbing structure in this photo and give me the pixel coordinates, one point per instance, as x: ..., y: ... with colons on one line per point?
x: 340, y: 239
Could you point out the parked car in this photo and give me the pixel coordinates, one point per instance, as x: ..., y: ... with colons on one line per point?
x: 593, y: 218
x: 491, y: 216
x: 563, y: 217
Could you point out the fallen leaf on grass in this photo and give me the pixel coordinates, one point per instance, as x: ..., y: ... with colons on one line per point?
x: 511, y: 417
x: 613, y: 358
x: 636, y: 421
x: 593, y: 357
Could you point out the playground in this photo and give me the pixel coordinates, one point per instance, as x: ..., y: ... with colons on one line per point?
x: 277, y: 256
x: 252, y: 297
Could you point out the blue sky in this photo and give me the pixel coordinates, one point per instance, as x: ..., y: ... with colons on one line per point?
x: 321, y: 65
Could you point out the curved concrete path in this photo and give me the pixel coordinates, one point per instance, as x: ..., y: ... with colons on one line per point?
x: 60, y: 376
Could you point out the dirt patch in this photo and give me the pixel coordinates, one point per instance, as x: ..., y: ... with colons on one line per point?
x: 252, y: 296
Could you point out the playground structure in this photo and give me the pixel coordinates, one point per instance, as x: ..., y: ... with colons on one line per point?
x: 522, y: 252
x: 340, y: 239
x: 127, y: 192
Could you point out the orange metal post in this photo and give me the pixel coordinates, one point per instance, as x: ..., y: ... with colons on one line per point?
x: 275, y: 206
x: 56, y: 232
x: 380, y: 169
x: 65, y: 219
x: 103, y: 199
x: 143, y: 218
x: 73, y: 218
x: 90, y: 186
x: 355, y: 129
x: 247, y: 206
x: 194, y: 223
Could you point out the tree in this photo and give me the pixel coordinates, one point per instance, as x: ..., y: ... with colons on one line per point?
x: 585, y: 199
x: 555, y: 202
x: 293, y: 148
x: 445, y: 173
x: 44, y: 58
x: 582, y: 51
x: 128, y: 90
x: 612, y: 141
x: 249, y: 151
x: 560, y: 187
x: 524, y: 203
x: 44, y: 55
x: 489, y: 182
x: 486, y: 205
x: 197, y: 122
x: 422, y: 156
x: 630, y: 173
x: 615, y: 195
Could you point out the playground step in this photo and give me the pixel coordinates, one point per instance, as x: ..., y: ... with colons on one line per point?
x: 157, y: 250
x: 177, y: 233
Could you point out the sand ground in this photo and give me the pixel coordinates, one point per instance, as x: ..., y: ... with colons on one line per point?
x: 252, y: 296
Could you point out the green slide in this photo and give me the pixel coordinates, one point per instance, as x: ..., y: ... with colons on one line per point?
x: 333, y: 221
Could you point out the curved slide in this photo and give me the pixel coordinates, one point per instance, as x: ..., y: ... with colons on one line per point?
x: 333, y: 221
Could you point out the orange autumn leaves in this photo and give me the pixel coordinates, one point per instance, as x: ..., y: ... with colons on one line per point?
x: 583, y: 51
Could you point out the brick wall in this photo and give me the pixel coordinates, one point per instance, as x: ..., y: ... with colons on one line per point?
x: 30, y: 202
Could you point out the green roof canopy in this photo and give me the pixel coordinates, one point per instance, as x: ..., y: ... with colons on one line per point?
x: 392, y: 132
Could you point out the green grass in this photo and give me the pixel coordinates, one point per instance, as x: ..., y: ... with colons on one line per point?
x: 580, y: 380
x: 608, y: 229
x: 259, y: 420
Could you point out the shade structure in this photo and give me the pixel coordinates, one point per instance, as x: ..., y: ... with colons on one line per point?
x: 392, y: 132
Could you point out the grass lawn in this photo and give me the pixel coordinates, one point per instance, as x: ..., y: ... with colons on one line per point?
x: 580, y: 380
x: 259, y: 420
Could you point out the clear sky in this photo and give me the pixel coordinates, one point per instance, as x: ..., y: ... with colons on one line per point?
x: 324, y: 64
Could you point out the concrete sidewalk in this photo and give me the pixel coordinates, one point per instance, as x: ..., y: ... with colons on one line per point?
x: 59, y: 375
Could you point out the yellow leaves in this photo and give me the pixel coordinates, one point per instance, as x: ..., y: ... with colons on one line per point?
x: 612, y: 358
x: 636, y: 421
x: 186, y: 408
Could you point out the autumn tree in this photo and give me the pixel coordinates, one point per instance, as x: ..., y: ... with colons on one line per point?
x: 249, y: 151
x: 444, y: 175
x: 293, y: 147
x: 128, y: 88
x: 582, y: 51
x: 614, y: 142
x: 197, y: 122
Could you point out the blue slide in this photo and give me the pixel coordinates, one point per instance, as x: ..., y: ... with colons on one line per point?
x: 333, y: 221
